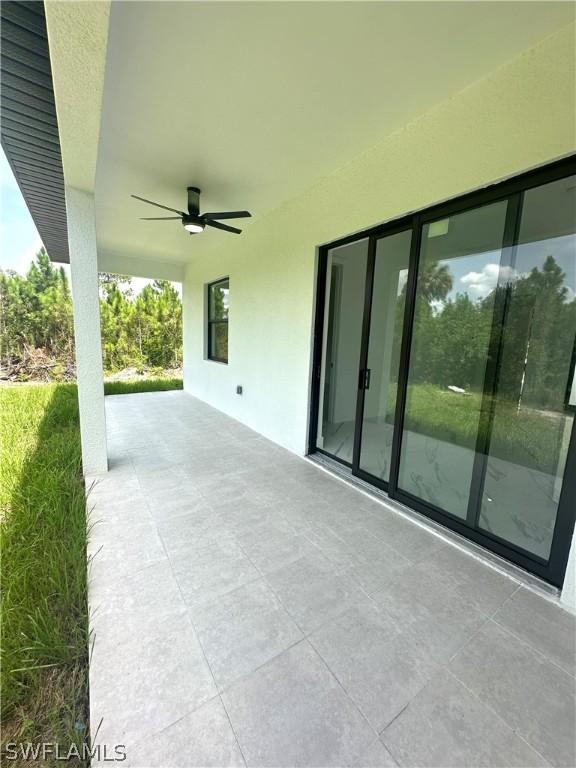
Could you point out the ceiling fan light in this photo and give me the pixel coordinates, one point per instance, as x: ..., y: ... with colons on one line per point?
x: 193, y: 227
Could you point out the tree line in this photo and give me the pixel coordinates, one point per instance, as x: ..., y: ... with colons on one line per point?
x: 36, y: 322
x: 524, y: 329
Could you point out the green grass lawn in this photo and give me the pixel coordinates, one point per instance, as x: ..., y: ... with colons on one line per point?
x: 44, y: 632
x: 144, y: 385
x: 527, y: 436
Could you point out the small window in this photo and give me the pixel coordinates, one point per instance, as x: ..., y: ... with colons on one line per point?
x: 218, y: 293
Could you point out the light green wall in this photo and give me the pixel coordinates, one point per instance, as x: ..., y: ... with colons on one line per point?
x: 518, y: 117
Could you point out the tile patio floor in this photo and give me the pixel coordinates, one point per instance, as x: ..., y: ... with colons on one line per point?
x: 248, y: 608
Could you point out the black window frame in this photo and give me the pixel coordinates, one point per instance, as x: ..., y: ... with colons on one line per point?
x: 554, y: 568
x: 211, y: 322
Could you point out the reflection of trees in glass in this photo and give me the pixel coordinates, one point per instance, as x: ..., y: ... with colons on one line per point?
x: 434, y: 282
x: 218, y: 295
x: 451, y: 347
x: 539, y: 338
x: 218, y: 320
x: 219, y: 302
x: 220, y: 341
x: 451, y: 343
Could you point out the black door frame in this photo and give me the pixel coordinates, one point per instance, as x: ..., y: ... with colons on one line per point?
x: 511, y: 190
x: 398, y: 228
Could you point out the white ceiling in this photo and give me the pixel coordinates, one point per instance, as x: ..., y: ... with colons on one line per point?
x: 254, y: 101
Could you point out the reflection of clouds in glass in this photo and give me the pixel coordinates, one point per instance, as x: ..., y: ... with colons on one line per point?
x: 480, y: 284
x: 437, y: 306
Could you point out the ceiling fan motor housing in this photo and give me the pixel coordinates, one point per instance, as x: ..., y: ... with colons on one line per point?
x: 194, y: 200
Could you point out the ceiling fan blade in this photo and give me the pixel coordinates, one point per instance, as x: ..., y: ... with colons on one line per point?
x: 227, y: 215
x: 161, y: 218
x: 225, y: 227
x: 151, y: 202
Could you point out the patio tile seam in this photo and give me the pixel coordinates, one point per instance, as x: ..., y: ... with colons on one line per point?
x: 507, y: 600
x: 444, y: 542
x: 533, y: 647
x: 440, y: 665
x: 276, y: 595
x: 570, y: 679
x: 527, y: 642
x: 301, y: 641
x: 233, y: 729
x: 345, y: 692
x: 178, y: 611
x: 508, y: 726
x: 242, y: 678
x: 396, y: 553
x: 453, y: 592
x: 467, y: 642
x: 216, y: 687
x: 386, y: 748
x: 401, y: 554
x: 145, y: 495
x: 219, y: 691
x: 305, y: 634
x: 181, y: 516
x: 146, y: 737
x: 129, y: 573
x: 398, y: 714
x: 335, y: 573
x: 358, y: 706
x: 486, y: 704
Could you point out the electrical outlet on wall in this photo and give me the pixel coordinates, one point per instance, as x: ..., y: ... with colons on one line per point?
x: 239, y: 389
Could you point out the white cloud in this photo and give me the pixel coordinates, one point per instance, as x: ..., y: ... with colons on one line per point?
x: 480, y: 284
x: 570, y: 295
x: 30, y: 252
x: 437, y: 306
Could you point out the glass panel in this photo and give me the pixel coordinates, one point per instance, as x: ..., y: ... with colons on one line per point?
x: 219, y: 300
x: 459, y: 267
x: 345, y: 286
x: 219, y: 341
x: 386, y: 323
x: 532, y: 417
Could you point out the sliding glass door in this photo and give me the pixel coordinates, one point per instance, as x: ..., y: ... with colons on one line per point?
x: 345, y: 287
x: 490, y: 392
x: 530, y: 404
x: 379, y: 383
x: 445, y: 356
x: 449, y: 355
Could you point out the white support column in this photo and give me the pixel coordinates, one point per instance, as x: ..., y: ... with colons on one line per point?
x: 89, y: 371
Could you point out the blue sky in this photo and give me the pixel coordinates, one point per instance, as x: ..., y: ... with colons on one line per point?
x: 19, y: 238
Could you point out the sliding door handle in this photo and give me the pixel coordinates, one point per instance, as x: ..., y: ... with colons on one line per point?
x: 364, y: 379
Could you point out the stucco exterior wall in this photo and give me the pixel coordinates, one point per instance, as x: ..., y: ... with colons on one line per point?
x: 517, y: 118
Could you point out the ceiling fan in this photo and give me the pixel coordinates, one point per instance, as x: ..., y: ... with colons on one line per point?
x: 193, y: 221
